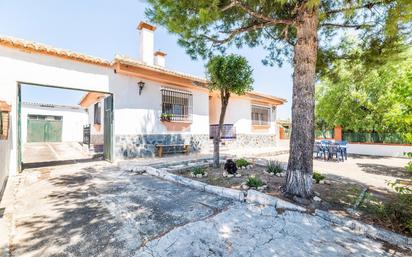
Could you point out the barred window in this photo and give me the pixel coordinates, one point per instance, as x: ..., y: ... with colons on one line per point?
x: 177, y: 104
x: 260, y: 115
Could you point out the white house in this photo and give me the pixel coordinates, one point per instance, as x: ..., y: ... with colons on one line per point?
x: 67, y: 121
x: 135, y: 95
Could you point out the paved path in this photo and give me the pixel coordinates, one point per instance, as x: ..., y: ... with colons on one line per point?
x: 53, y: 151
x: 98, y: 210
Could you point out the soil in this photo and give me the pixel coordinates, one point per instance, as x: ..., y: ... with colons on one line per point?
x: 337, y: 196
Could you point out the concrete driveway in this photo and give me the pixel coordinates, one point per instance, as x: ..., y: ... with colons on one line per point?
x: 96, y: 209
x: 41, y: 152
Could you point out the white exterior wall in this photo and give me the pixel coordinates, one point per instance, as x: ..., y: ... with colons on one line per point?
x: 239, y: 113
x: 134, y: 114
x: 146, y: 46
x: 140, y: 114
x: 95, y: 133
x: 17, y: 66
x: 73, y: 120
x: 379, y: 149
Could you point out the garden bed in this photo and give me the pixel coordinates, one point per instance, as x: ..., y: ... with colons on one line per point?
x: 333, y: 195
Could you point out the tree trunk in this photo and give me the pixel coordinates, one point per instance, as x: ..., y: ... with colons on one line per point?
x: 224, y: 97
x: 300, y: 166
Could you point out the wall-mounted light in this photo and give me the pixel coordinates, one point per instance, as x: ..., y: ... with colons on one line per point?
x: 141, y: 86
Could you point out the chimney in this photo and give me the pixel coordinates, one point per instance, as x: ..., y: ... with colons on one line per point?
x: 159, y: 58
x: 146, y: 42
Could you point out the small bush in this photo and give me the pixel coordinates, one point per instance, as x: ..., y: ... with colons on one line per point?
x: 274, y: 167
x: 253, y: 181
x: 396, y: 213
x: 318, y: 177
x: 199, y: 170
x: 241, y: 163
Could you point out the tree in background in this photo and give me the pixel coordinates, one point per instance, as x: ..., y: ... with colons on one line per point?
x: 301, y: 31
x: 228, y: 75
x: 364, y: 98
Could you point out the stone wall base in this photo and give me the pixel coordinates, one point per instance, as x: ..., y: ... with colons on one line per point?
x: 132, y: 146
x: 251, y: 141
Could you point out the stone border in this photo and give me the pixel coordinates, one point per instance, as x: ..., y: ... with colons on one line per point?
x: 255, y: 197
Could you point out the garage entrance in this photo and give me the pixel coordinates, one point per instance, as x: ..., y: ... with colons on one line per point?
x: 52, y: 125
x: 42, y: 128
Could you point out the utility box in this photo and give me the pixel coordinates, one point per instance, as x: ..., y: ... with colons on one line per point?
x: 5, y: 110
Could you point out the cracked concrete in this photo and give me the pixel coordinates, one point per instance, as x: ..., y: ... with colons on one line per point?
x: 99, y: 210
x: 247, y: 230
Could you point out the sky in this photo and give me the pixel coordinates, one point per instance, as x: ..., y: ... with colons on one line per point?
x: 103, y: 28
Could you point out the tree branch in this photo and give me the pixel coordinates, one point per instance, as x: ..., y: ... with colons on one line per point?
x: 235, y: 32
x: 368, y: 5
x: 355, y: 26
x: 278, y: 39
x: 255, y: 14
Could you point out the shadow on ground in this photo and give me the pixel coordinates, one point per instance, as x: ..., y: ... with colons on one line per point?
x: 385, y: 170
x: 102, y: 212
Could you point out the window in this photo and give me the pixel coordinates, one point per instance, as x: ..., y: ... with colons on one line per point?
x: 177, y: 104
x: 260, y: 115
x: 98, y: 113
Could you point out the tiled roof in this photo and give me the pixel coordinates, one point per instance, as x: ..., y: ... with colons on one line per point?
x: 45, y: 49
x: 129, y: 61
x: 270, y: 97
x: 49, y: 50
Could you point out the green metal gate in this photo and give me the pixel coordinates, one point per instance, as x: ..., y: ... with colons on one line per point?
x: 108, y: 128
x: 44, y: 129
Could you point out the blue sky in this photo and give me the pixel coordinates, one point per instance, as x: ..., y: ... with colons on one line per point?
x: 103, y: 28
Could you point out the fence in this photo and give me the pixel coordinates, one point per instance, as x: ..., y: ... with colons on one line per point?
x: 365, y: 137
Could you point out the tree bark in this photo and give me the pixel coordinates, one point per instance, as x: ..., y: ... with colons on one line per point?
x: 224, y: 99
x: 300, y: 165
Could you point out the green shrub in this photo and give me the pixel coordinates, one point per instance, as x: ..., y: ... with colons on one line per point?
x: 199, y: 170
x: 274, y: 167
x: 403, y: 188
x: 409, y: 165
x: 241, y: 163
x: 253, y: 181
x: 396, y: 213
x: 318, y: 177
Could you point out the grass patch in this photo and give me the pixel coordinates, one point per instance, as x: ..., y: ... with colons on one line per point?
x: 241, y: 163
x: 253, y: 181
x: 318, y: 177
x: 274, y: 167
x: 199, y: 170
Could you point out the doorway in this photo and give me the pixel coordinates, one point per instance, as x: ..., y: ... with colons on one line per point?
x: 53, y: 122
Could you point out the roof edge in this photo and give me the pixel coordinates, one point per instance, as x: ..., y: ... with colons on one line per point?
x: 29, y: 46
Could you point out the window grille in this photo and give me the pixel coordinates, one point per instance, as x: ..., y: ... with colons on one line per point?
x: 260, y: 115
x: 177, y: 104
